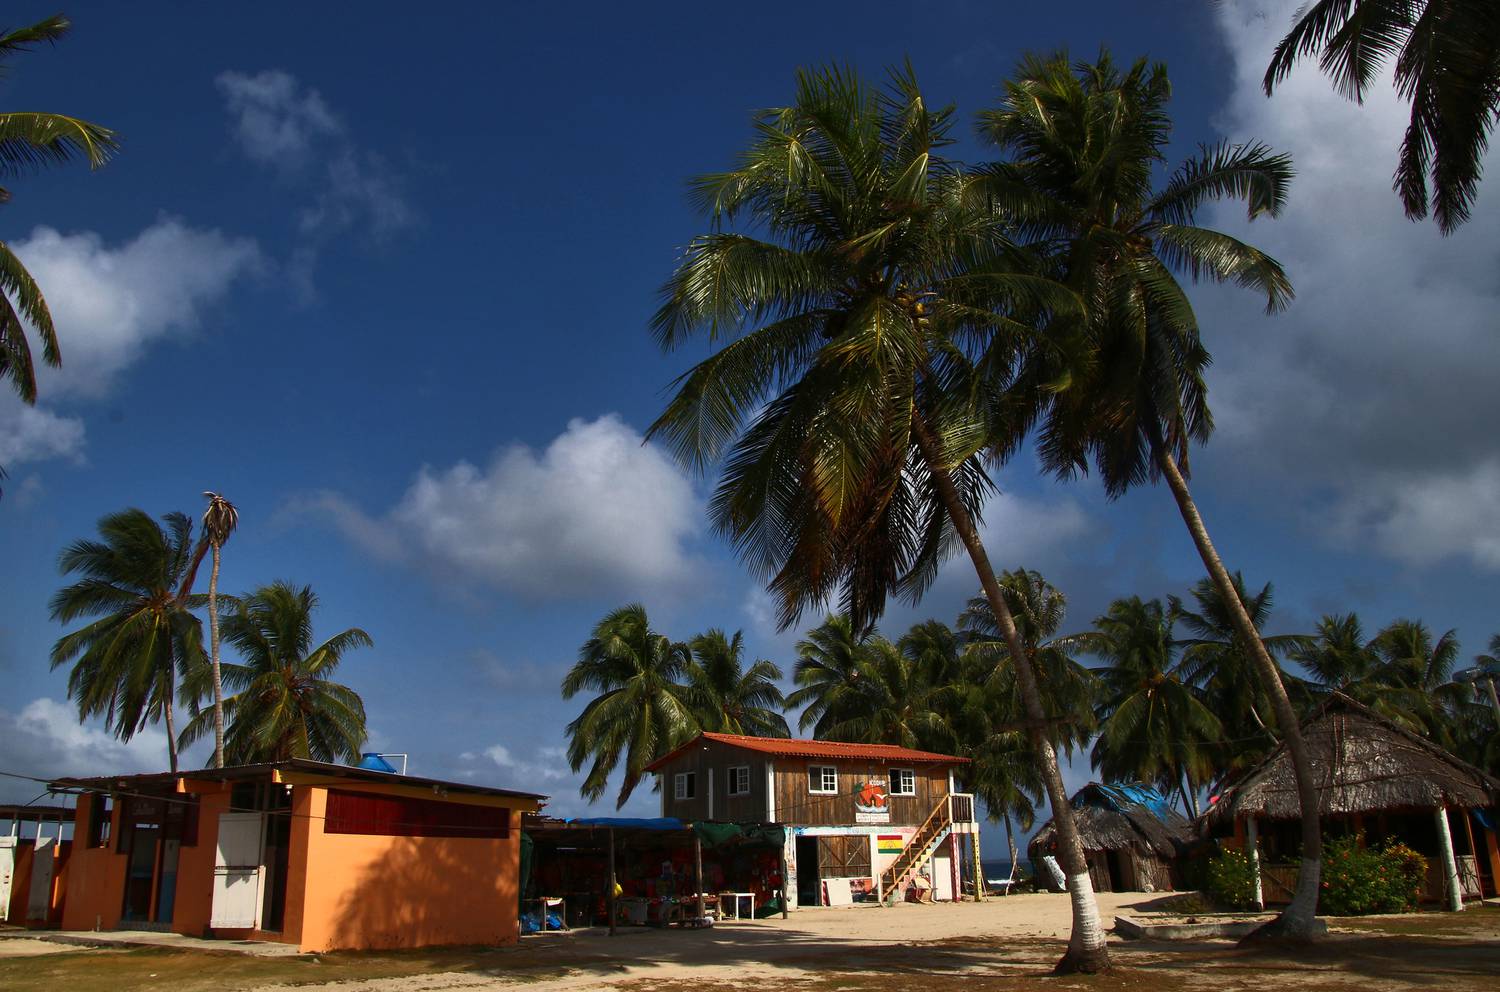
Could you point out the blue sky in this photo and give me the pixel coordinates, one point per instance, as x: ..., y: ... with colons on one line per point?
x: 385, y: 282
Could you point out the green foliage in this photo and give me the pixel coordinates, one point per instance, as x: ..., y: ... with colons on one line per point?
x: 1443, y: 56
x: 1231, y: 880
x: 284, y: 703
x: 142, y: 638
x: 1358, y: 881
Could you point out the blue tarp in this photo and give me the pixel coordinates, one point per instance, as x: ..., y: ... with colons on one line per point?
x: 375, y: 763
x: 628, y: 822
x: 1122, y: 796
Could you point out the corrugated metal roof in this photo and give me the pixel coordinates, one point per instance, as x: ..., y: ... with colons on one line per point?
x: 791, y: 748
x: 107, y: 783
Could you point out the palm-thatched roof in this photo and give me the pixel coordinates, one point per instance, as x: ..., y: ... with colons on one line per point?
x: 1363, y: 763
x: 1112, y: 818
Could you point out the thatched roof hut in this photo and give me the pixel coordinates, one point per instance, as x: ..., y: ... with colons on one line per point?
x: 1131, y: 836
x: 1364, y: 763
x: 1371, y: 772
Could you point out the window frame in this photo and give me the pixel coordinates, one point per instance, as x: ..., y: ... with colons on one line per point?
x: 684, y: 786
x: 734, y: 772
x: 822, y: 778
x: 900, y: 776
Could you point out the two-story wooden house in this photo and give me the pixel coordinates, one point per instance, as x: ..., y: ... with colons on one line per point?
x: 871, y: 819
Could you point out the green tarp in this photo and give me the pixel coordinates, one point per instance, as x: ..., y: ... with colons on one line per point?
x: 715, y: 834
x: 526, y: 846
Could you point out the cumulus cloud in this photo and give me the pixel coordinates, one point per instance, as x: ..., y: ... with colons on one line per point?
x: 596, y: 510
x: 32, y: 434
x: 1375, y: 391
x: 45, y: 740
x: 288, y: 127
x: 110, y: 303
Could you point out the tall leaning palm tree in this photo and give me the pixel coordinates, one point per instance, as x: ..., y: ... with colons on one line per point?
x: 1123, y: 386
x: 1446, y: 57
x: 852, y: 290
x: 29, y: 139
x: 284, y: 703
x: 641, y: 709
x: 219, y: 521
x: 729, y: 698
x: 143, y: 640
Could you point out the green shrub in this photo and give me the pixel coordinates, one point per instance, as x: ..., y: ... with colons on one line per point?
x: 1231, y: 880
x: 1358, y: 881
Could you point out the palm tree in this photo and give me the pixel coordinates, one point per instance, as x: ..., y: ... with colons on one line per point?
x: 1338, y: 656
x: 27, y: 140
x: 219, y: 521
x: 284, y: 704
x: 1155, y: 727
x: 1214, y: 660
x: 1485, y: 671
x: 641, y: 710
x: 1447, y: 67
x: 830, y: 674
x: 852, y: 307
x: 1416, y: 673
x: 725, y: 696
x: 1124, y: 387
x: 143, y: 637
x: 1069, y: 688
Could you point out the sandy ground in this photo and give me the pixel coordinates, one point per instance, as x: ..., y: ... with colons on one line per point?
x: 1009, y: 943
x: 26, y: 947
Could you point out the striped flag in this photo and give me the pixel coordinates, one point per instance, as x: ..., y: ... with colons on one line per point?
x: 889, y: 843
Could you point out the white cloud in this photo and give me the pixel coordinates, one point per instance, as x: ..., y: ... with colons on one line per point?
x: 110, y: 302
x: 1375, y: 391
x: 45, y: 740
x: 1425, y: 519
x: 596, y: 511
x: 31, y: 434
x: 275, y: 121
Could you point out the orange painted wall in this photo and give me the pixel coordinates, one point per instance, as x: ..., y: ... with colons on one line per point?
x: 375, y: 892
x: 195, y: 868
x: 96, y: 875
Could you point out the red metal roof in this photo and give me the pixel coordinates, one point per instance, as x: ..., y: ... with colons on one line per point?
x: 791, y: 748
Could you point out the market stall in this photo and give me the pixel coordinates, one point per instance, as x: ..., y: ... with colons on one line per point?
x: 661, y: 871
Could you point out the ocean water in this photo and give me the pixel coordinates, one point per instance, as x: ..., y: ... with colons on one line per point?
x: 1001, y: 868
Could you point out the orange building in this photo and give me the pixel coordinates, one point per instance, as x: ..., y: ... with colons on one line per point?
x: 322, y: 856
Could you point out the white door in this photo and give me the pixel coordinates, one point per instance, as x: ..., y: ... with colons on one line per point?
x: 237, y: 872
x: 941, y: 868
x: 41, y: 878
x: 7, y: 872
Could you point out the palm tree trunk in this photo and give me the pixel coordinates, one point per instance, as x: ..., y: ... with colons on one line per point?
x: 213, y: 642
x: 1087, y: 948
x: 1010, y: 843
x: 1299, y: 920
x: 166, y: 714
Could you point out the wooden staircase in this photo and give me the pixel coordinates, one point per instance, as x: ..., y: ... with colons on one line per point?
x: 923, y: 844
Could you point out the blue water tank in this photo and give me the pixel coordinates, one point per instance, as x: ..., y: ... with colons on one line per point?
x: 375, y: 763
